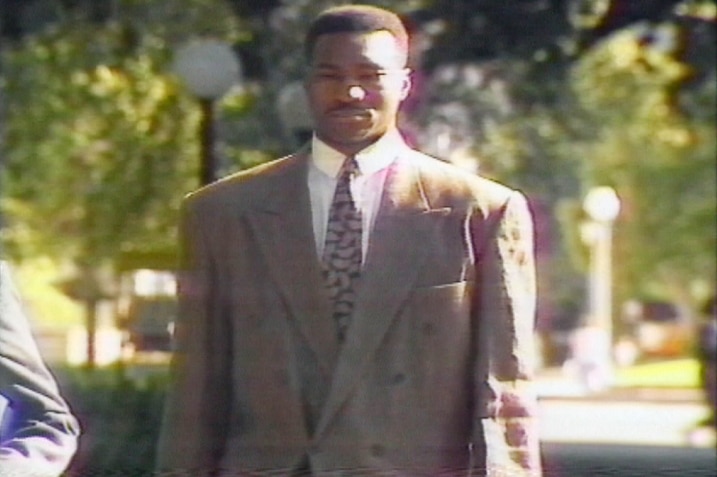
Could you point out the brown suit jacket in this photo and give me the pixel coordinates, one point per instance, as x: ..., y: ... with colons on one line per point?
x: 434, y: 374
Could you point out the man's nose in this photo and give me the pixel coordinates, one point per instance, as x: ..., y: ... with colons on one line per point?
x: 349, y: 88
x: 356, y: 93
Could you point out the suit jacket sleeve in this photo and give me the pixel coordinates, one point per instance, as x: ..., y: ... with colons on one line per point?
x: 505, y: 310
x: 39, y: 434
x: 194, y: 426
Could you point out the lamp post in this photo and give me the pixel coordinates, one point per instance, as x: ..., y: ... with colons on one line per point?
x: 602, y: 205
x: 208, y: 68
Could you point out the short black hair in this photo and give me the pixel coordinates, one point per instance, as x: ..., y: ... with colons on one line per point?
x: 355, y: 19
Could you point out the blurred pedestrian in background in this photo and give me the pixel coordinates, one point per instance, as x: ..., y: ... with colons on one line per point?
x: 38, y: 434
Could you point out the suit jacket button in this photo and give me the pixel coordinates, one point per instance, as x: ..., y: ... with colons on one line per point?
x: 398, y: 378
x: 377, y: 450
x: 282, y: 377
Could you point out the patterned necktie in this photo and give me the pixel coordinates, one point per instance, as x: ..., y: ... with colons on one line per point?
x: 342, y: 249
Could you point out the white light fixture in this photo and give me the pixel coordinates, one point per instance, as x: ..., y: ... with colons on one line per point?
x: 292, y: 105
x: 208, y: 67
x: 602, y: 204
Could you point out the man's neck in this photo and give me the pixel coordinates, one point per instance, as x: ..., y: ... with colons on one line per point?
x: 372, y: 157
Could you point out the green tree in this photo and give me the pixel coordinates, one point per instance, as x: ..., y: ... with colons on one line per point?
x: 100, y: 141
x: 647, y: 135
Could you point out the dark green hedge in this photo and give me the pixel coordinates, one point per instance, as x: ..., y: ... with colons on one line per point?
x: 119, y: 410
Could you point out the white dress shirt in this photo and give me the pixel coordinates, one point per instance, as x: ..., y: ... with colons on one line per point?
x: 366, y: 187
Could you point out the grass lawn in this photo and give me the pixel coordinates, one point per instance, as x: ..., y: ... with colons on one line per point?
x: 47, y: 307
x: 676, y: 373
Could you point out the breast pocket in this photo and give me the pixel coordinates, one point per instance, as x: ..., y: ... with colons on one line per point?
x: 441, y: 321
x: 442, y: 305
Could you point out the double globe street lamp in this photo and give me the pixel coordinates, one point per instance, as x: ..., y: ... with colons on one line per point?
x: 602, y: 205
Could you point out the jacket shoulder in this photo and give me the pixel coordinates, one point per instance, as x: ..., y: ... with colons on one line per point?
x: 446, y: 184
x: 244, y: 187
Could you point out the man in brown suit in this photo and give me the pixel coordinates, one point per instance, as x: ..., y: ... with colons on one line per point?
x: 356, y: 308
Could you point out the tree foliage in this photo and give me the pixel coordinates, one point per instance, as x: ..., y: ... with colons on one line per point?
x: 646, y: 136
x: 100, y: 140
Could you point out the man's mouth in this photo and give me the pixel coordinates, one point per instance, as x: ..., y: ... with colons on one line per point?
x: 350, y: 114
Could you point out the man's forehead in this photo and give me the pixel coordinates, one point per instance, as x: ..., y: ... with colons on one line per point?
x: 373, y: 48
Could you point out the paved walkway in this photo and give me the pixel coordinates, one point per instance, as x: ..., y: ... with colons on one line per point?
x: 570, y: 413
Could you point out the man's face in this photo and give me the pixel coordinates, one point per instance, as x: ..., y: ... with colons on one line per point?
x: 355, y: 85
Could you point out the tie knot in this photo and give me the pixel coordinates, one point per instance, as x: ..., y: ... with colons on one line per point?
x: 349, y: 167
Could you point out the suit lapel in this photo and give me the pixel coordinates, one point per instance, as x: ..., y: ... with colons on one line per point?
x: 387, y: 278
x: 282, y: 224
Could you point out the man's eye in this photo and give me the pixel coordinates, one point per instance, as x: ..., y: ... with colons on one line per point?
x: 327, y: 75
x: 372, y: 76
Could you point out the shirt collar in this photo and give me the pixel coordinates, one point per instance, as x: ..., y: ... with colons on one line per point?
x: 373, y: 158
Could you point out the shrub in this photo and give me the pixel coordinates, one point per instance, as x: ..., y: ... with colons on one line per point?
x: 119, y: 410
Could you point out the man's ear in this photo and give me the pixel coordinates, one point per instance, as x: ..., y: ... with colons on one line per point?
x: 407, y: 83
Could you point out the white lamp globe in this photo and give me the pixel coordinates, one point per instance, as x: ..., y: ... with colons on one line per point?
x: 602, y: 204
x: 293, y: 107
x: 208, y: 67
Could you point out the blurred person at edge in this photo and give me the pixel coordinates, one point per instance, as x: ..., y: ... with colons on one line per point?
x: 405, y: 349
x: 707, y: 356
x: 38, y: 433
